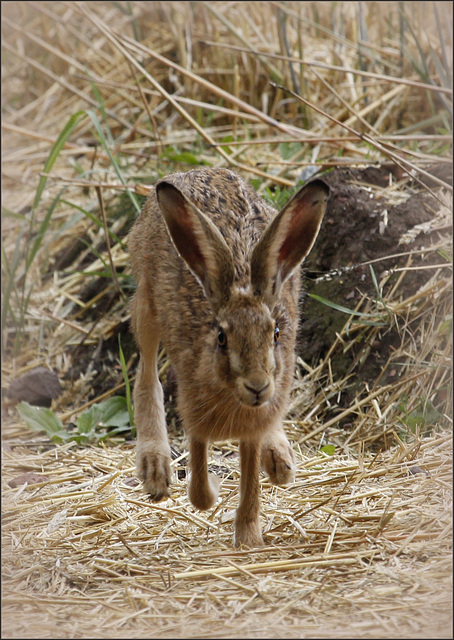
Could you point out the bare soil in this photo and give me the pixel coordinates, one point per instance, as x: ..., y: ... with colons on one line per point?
x: 363, y: 229
x: 360, y: 546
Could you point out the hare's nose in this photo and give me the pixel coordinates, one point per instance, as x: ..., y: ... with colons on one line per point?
x: 257, y: 388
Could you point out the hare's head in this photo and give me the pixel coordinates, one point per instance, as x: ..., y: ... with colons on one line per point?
x: 253, y: 326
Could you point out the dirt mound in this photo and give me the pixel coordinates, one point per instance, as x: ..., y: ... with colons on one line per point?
x: 369, y: 224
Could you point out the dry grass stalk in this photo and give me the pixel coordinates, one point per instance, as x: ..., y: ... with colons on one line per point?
x: 341, y: 527
x: 360, y: 545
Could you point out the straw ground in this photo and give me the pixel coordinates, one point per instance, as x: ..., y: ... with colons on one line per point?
x: 102, y: 99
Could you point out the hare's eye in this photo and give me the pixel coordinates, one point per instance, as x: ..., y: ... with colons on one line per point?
x: 276, y: 334
x: 222, y: 339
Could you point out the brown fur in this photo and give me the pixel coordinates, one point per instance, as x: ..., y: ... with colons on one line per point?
x: 211, y: 258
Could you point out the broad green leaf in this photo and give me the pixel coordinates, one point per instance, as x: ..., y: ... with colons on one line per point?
x: 113, y: 432
x: 288, y: 149
x: 114, y: 412
x: 119, y: 419
x: 228, y: 138
x: 329, y: 449
x: 42, y: 419
x: 88, y: 420
x: 110, y: 413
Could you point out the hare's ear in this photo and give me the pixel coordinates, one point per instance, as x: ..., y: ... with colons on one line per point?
x: 198, y: 242
x: 287, y: 240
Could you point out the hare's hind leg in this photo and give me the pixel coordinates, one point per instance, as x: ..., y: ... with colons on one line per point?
x: 247, y: 522
x: 203, y: 486
x: 277, y: 457
x: 153, y: 451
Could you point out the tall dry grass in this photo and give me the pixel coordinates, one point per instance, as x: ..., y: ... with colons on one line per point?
x: 101, y: 99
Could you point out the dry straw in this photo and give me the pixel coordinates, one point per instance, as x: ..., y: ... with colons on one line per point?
x: 360, y: 545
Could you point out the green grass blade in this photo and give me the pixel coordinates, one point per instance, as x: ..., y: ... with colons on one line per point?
x: 10, y: 272
x: 97, y: 125
x: 55, y: 152
x: 379, y: 295
x: 375, y: 282
x: 7, y: 213
x: 42, y: 231
x: 339, y: 307
x: 97, y: 222
x: 102, y: 108
x: 97, y: 254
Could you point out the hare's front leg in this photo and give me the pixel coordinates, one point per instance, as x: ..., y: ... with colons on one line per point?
x: 153, y: 451
x: 277, y: 457
x: 247, y: 523
x: 203, y: 486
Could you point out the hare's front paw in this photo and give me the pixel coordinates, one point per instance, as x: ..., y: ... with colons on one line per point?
x: 248, y: 534
x: 278, y: 460
x: 153, y: 467
x: 203, y: 494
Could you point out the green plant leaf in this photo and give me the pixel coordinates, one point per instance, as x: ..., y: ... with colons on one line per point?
x: 113, y: 432
x: 88, y: 420
x: 114, y: 412
x: 110, y: 413
x: 90, y: 426
x: 228, y: 138
x: 446, y: 326
x: 423, y: 416
x: 288, y: 149
x: 329, y: 449
x: 186, y: 157
x: 41, y: 419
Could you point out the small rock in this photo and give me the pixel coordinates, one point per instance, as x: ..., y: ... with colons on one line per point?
x: 37, y: 387
x: 30, y: 478
x: 131, y: 482
x: 414, y: 470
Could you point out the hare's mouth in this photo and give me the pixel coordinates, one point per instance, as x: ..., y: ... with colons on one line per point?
x: 259, y: 403
x: 253, y: 402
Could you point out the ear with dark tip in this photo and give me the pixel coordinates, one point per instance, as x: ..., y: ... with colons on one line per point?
x: 287, y: 240
x: 198, y: 242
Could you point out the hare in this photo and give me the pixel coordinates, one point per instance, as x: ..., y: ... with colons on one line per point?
x: 218, y: 285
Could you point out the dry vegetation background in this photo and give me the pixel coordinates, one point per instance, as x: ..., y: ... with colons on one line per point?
x: 98, y: 96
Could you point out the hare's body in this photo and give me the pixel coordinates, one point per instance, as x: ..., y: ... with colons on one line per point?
x: 227, y: 316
